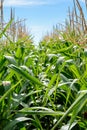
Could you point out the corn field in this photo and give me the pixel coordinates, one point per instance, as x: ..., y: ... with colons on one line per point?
x: 44, y: 87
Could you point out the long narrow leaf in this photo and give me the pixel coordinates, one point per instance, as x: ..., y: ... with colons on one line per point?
x: 33, y: 112
x: 7, y: 26
x: 79, y: 99
x: 16, y: 121
x: 11, y: 60
x: 25, y: 74
x: 7, y: 93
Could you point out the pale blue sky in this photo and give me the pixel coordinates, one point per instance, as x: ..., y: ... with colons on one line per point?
x: 41, y: 15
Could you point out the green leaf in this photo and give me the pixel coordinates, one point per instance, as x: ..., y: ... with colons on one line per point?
x: 77, y: 109
x: 23, y: 128
x: 4, y: 30
x: 9, y: 91
x: 19, y: 52
x: 12, y: 123
x: 40, y: 111
x: 25, y: 74
x: 77, y: 101
x: 11, y: 60
x: 66, y: 127
x: 53, y: 79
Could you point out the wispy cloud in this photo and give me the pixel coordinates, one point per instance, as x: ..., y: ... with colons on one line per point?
x: 29, y: 2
